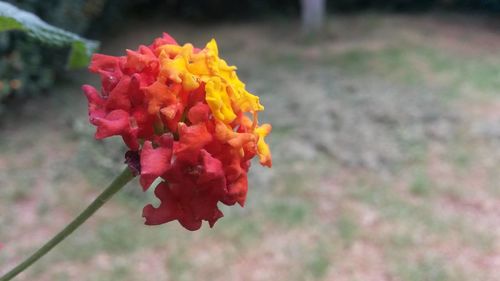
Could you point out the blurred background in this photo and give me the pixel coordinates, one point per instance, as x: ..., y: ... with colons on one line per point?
x: 386, y: 143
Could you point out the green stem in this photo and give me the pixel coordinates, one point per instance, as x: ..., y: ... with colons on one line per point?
x: 114, y: 187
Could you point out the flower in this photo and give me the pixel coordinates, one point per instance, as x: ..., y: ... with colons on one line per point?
x: 187, y: 119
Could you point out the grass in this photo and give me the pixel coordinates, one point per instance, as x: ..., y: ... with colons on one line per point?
x: 287, y: 213
x: 417, y: 64
x: 306, y: 218
x: 240, y: 230
x: 428, y: 268
x: 421, y: 185
x: 117, y: 272
x: 317, y: 262
x: 178, y: 265
x: 347, y: 228
x: 420, y: 217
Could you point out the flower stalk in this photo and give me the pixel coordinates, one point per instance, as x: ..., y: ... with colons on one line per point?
x: 118, y: 183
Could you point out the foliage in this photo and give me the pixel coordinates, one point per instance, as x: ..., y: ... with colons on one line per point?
x: 422, y: 5
x: 230, y: 9
x: 34, y: 52
x: 12, y: 18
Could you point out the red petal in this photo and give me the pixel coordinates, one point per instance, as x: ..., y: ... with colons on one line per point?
x: 108, y: 68
x: 130, y: 139
x: 192, y: 193
x: 155, y: 161
x: 135, y: 93
x: 190, y: 223
x: 199, y: 113
x: 114, y: 123
x: 169, y: 39
x: 96, y: 102
x: 191, y: 140
x: 172, y: 115
x: 165, y: 39
x: 144, y: 123
x: 237, y: 191
x: 159, y: 95
x: 167, y: 211
x: 212, y: 169
x: 104, y: 62
x: 142, y: 60
x: 119, y: 96
x: 217, y: 215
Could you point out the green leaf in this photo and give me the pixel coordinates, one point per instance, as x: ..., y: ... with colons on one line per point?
x: 12, y: 18
x: 9, y: 24
x: 78, y: 57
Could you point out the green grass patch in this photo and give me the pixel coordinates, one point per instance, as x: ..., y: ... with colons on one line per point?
x: 117, y: 272
x: 119, y: 236
x: 427, y: 269
x: 290, y: 61
x: 17, y: 183
x: 401, y: 240
x: 390, y: 62
x: 317, y: 262
x: 415, y: 65
x: 239, y: 229
x: 393, y: 207
x: 420, y: 217
x: 421, y: 184
x: 415, y: 149
x: 347, y: 228
x: 287, y: 212
x: 178, y: 266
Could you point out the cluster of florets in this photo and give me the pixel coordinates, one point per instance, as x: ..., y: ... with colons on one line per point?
x: 188, y: 117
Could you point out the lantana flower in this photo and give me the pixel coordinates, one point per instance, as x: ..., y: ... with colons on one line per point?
x: 187, y: 120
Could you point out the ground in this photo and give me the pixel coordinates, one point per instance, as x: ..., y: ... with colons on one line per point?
x: 386, y: 144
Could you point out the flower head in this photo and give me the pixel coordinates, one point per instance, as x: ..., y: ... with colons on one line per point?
x: 189, y: 118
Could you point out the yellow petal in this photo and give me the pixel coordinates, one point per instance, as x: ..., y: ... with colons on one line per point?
x: 262, y: 147
x: 218, y: 100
